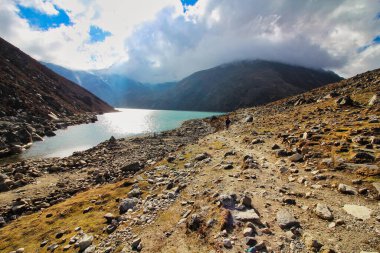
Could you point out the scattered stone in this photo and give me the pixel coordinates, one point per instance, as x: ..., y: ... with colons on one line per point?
x: 249, y: 215
x: 363, y: 157
x: 59, y: 234
x: 323, y: 212
x: 248, y: 119
x: 42, y: 244
x: 128, y: 204
x: 88, y: 209
x: 376, y: 185
x: 201, y: 157
x: 67, y: 247
x: 311, y: 244
x: 346, y: 189
x: 286, y: 220
x: 257, y: 141
x: 250, y: 241
x: 195, y: 222
x: 85, y: 241
x: 248, y: 231
x: 227, y: 243
x: 297, y: 157
x: 135, y: 193
x: 227, y: 201
x: 52, y: 247
x: 360, y: 212
x: 20, y: 250
x: 246, y: 201
x: 131, y: 167
x: 109, y: 217
x: 275, y: 147
x: 135, y: 243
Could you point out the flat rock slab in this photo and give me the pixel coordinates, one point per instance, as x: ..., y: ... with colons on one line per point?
x: 360, y: 212
x: 249, y: 215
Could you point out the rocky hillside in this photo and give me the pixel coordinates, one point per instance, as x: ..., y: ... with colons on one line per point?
x: 33, y: 94
x: 223, y: 88
x: 298, y: 175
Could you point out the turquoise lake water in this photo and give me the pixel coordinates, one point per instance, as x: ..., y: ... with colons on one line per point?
x: 127, y: 122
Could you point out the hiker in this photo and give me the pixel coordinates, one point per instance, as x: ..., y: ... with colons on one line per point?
x: 228, y: 122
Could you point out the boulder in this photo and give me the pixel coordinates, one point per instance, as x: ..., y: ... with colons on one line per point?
x: 127, y: 204
x: 85, y: 241
x: 131, y: 167
x: 286, y: 220
x: 346, y: 189
x: 323, y: 212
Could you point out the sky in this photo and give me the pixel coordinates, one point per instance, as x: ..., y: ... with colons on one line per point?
x: 165, y: 40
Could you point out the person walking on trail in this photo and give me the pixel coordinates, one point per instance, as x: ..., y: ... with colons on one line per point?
x: 228, y: 122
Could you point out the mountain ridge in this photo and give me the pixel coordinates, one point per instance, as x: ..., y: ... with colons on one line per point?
x: 223, y: 88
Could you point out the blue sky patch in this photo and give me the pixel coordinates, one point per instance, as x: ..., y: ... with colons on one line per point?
x: 43, y: 21
x: 97, y: 34
x: 186, y: 3
x: 376, y: 40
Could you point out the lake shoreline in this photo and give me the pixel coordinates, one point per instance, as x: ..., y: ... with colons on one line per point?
x: 22, y: 184
x: 19, y: 133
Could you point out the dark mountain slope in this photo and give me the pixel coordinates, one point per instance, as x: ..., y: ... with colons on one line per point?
x: 243, y: 84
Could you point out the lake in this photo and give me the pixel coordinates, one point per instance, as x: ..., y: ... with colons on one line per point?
x: 127, y: 122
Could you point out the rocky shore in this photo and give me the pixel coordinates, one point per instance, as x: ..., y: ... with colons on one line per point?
x: 18, y: 133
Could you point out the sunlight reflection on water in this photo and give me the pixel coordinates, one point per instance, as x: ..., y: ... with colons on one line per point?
x: 125, y: 123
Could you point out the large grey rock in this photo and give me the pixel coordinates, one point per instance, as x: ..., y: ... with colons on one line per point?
x: 131, y: 167
x: 323, y: 212
x: 346, y: 189
x: 127, y: 204
x: 227, y: 201
x: 285, y: 219
x: 136, y: 192
x: 360, y: 212
x: 85, y: 241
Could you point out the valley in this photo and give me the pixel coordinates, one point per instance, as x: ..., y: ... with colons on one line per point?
x: 297, y: 175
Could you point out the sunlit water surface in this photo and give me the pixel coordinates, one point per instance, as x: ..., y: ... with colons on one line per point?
x: 125, y: 123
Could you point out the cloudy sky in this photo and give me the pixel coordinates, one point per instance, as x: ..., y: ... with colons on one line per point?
x: 165, y: 40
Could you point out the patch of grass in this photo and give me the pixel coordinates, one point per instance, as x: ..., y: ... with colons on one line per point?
x: 29, y: 231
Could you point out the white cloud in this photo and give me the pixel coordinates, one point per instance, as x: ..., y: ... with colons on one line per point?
x: 155, y: 41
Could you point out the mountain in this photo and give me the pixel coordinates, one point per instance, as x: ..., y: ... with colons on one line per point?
x: 243, y: 84
x: 115, y: 89
x: 27, y: 85
x: 35, y: 99
x: 223, y: 88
